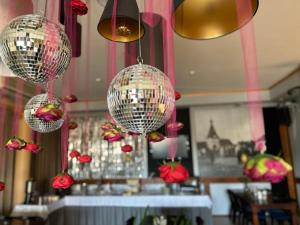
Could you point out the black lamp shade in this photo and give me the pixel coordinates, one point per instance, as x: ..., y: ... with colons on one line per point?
x: 127, y: 21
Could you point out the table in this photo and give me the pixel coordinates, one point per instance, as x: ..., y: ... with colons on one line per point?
x: 115, y: 210
x: 24, y: 211
x: 256, y: 206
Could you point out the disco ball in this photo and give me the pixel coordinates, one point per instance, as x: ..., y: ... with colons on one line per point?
x: 35, y: 49
x: 141, y: 98
x: 37, y: 124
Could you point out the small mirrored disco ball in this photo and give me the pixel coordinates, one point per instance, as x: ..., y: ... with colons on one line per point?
x: 141, y: 98
x: 35, y: 123
x: 35, y: 49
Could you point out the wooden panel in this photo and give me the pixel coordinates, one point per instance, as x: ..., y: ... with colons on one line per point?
x: 287, y: 153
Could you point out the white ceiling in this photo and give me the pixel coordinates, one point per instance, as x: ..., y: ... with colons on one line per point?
x: 218, y: 63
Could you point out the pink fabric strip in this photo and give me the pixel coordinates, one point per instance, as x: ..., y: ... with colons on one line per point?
x: 247, y: 35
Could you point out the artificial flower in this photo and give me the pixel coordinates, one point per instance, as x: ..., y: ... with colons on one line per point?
x: 108, y: 126
x: 2, y: 186
x: 15, y: 143
x: 155, y: 136
x: 112, y: 135
x: 72, y: 125
x: 49, y: 112
x: 70, y: 99
x: 74, y: 154
x: 177, y: 95
x: 173, y: 172
x: 126, y: 148
x: 265, y: 167
x: 84, y: 159
x: 175, y: 126
x: 133, y: 133
x: 63, y: 181
x: 34, y: 148
x: 79, y: 7
x: 261, y: 146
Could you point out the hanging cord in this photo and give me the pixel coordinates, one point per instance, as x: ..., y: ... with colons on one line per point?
x: 140, y: 58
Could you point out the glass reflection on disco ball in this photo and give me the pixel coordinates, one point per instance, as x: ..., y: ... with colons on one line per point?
x: 35, y: 123
x: 35, y: 49
x: 141, y: 98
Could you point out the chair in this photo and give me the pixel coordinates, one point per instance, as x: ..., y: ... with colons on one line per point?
x: 235, y: 210
x: 280, y: 216
x: 199, y: 221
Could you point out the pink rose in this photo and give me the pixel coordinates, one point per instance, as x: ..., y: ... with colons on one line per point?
x: 155, y: 136
x: 34, y: 148
x: 70, y: 99
x: 175, y: 126
x: 49, y: 113
x: 126, y: 148
x: 177, y: 95
x: 72, y: 125
x: 79, y: 7
x: 15, y: 143
x: 173, y: 172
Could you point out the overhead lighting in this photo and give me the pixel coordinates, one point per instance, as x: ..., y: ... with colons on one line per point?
x: 207, y: 19
x: 127, y: 21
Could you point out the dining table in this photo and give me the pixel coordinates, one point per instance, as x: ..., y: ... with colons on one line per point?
x: 269, y: 203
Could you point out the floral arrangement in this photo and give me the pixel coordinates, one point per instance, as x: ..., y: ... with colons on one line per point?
x: 62, y: 181
x: 2, y: 186
x: 79, y: 7
x: 49, y: 113
x: 17, y: 144
x: 173, y: 172
x: 265, y: 167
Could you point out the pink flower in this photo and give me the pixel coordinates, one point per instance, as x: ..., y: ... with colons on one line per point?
x: 112, y: 135
x: 175, y: 126
x: 108, y: 126
x: 15, y: 143
x: 155, y: 136
x: 2, y: 186
x: 261, y: 146
x: 34, y: 148
x: 126, y: 148
x: 63, y: 181
x: 84, y: 159
x: 74, y: 154
x: 49, y: 112
x: 72, y: 125
x: 70, y: 99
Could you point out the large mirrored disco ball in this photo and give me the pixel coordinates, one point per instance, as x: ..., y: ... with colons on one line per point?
x: 35, y: 123
x: 141, y: 98
x: 35, y: 49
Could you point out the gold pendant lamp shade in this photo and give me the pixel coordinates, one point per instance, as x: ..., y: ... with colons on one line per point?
x: 127, y: 21
x: 207, y: 19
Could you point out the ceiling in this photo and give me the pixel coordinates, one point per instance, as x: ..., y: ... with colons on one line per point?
x: 217, y: 64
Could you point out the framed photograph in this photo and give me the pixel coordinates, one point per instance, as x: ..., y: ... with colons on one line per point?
x: 221, y: 136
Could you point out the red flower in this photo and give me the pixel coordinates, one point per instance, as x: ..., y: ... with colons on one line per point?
x: 74, y: 154
x: 70, y: 99
x: 155, y: 136
x: 63, y: 181
x: 177, y: 95
x: 84, y: 159
x: 2, y: 186
x: 49, y: 112
x: 175, y: 126
x: 79, y: 7
x: 72, y: 125
x: 15, y: 143
x: 34, y: 148
x: 126, y: 148
x: 173, y: 172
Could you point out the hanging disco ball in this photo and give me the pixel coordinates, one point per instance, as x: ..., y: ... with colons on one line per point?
x: 141, y: 98
x: 35, y: 123
x: 35, y: 49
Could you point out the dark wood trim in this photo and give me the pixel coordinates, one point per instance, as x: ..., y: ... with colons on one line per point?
x: 288, y: 156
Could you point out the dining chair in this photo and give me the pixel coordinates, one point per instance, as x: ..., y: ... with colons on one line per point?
x: 280, y: 216
x: 235, y: 211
